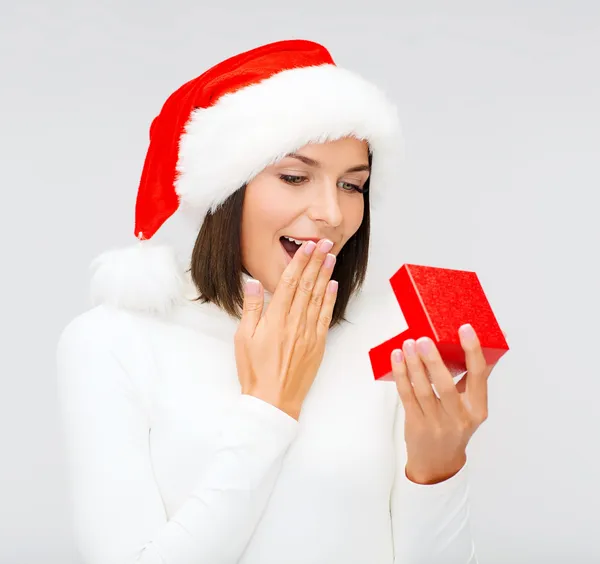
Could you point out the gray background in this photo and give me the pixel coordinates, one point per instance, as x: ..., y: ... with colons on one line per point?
x: 499, y: 103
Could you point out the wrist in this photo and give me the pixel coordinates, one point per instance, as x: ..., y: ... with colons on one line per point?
x: 434, y: 475
x: 275, y: 398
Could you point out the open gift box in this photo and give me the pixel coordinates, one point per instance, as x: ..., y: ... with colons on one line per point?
x: 435, y: 303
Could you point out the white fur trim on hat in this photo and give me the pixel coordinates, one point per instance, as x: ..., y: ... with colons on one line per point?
x: 226, y: 145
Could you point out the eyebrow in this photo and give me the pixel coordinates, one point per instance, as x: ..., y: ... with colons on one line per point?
x: 316, y: 164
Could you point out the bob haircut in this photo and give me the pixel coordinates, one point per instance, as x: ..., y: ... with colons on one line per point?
x: 217, y: 275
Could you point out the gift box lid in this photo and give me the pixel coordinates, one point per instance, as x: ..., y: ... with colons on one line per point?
x: 437, y: 301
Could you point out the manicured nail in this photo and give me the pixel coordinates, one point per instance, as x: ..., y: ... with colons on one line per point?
x: 310, y: 247
x: 329, y: 261
x: 409, y: 347
x: 325, y: 246
x: 397, y: 356
x: 332, y: 286
x: 424, y: 346
x: 252, y: 287
x: 467, y: 332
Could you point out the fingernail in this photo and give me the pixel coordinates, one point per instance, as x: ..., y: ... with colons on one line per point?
x: 252, y: 287
x: 424, y: 346
x: 467, y: 332
x: 310, y: 247
x: 409, y: 347
x: 329, y: 261
x: 326, y: 245
x: 332, y: 286
x: 397, y: 356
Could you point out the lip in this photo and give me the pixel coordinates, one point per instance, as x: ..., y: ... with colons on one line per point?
x: 287, y: 257
x: 313, y: 239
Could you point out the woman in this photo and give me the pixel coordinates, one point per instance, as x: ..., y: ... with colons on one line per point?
x: 230, y: 414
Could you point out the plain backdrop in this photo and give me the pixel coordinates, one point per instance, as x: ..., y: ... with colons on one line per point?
x: 500, y: 109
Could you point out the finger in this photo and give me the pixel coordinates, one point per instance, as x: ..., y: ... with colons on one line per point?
x: 326, y: 312
x: 477, y: 372
x: 308, y: 280
x: 420, y: 381
x: 252, y: 307
x: 440, y: 376
x: 461, y: 385
x: 288, y: 283
x: 316, y: 300
x: 403, y: 385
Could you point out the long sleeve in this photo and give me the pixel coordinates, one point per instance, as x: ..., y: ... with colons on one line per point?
x: 430, y: 523
x: 119, y: 516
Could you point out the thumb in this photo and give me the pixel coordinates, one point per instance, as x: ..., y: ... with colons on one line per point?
x: 253, y: 306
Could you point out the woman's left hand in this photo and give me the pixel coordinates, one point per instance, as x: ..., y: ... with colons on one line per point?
x: 437, y: 430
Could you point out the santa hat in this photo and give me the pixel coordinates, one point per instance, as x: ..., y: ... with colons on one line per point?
x: 218, y: 131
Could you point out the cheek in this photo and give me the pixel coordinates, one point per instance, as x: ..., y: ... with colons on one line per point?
x: 263, y: 210
x: 353, y: 211
x: 265, y: 215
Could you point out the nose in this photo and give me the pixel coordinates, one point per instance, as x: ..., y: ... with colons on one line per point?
x: 325, y: 205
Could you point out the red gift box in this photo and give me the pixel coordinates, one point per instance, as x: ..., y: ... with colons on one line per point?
x: 435, y: 303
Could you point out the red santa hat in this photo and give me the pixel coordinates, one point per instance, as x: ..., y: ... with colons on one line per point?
x: 218, y: 131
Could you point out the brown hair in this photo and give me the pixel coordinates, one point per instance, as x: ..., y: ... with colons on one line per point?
x: 217, y: 274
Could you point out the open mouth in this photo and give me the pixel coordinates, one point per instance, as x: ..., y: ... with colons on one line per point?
x: 290, y: 245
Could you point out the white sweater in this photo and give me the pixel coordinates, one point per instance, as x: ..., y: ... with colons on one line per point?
x: 170, y: 464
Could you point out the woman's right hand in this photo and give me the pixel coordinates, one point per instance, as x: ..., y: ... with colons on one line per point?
x: 278, y: 353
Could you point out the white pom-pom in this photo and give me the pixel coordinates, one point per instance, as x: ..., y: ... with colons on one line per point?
x: 144, y: 277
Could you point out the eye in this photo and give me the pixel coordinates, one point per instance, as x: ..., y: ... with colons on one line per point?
x: 348, y: 187
x: 292, y: 178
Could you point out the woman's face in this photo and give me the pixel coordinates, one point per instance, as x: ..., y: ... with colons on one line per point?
x: 311, y: 194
